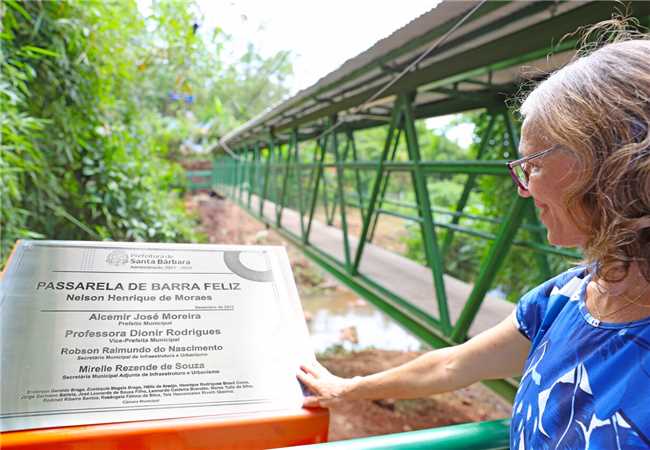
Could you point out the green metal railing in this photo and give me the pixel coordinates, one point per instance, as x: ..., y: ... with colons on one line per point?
x: 470, y: 436
x: 301, y: 157
x: 200, y: 179
x: 330, y: 177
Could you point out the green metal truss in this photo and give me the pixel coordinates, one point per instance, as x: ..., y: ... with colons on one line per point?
x: 280, y: 173
x: 310, y: 162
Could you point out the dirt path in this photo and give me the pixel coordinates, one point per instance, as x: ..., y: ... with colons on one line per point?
x: 225, y: 223
x: 369, y: 418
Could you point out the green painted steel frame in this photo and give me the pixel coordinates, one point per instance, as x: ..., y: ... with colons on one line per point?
x: 436, y: 331
x: 262, y: 162
x: 527, y: 44
x: 503, y: 239
x: 422, y: 196
x: 418, y: 322
x: 493, y: 435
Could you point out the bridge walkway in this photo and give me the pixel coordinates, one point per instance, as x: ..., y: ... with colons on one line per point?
x: 404, y: 277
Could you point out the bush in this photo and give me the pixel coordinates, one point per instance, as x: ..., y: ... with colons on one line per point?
x: 79, y: 160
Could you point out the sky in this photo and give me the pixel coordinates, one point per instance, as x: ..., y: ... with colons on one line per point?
x: 320, y: 35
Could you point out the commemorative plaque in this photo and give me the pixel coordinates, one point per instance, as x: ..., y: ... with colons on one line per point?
x: 97, y: 332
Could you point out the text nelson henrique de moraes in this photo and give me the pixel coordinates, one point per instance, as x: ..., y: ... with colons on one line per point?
x: 94, y: 286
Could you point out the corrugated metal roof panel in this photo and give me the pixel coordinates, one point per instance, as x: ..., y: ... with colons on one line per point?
x: 481, y: 35
x: 444, y: 12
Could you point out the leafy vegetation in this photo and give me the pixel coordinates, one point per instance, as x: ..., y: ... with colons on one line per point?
x: 492, y: 197
x: 98, y: 102
x: 95, y: 102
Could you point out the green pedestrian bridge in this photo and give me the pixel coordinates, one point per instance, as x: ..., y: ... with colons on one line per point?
x: 300, y: 169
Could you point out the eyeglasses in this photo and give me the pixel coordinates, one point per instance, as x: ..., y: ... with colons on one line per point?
x: 519, y: 170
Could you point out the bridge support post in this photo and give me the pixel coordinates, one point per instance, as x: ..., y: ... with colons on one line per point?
x: 232, y: 177
x: 424, y: 208
x: 396, y: 117
x: 243, y: 160
x: 341, y: 196
x: 342, y: 158
x: 287, y: 163
x: 252, y: 175
x: 384, y: 187
x: 317, y: 175
x: 360, y: 192
x: 329, y: 216
x: 267, y: 173
x: 298, y: 177
x: 241, y: 167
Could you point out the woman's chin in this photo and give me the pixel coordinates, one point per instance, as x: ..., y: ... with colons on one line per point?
x: 559, y: 240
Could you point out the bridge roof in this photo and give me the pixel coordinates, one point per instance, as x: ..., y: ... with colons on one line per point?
x: 475, y: 67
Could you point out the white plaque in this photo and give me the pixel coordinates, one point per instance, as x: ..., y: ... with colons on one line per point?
x: 97, y: 332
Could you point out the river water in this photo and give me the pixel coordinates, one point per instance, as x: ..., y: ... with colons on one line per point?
x: 342, y: 318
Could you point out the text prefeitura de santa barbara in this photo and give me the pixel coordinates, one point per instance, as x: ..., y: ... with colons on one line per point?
x: 110, y: 291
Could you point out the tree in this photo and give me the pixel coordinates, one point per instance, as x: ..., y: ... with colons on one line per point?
x: 95, y: 99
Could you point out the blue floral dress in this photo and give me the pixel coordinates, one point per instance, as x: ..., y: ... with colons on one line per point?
x: 586, y: 383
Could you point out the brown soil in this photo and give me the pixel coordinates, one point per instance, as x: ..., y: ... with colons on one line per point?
x: 226, y: 223
x: 369, y: 418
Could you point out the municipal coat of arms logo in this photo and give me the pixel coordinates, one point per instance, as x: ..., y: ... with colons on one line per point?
x: 117, y: 258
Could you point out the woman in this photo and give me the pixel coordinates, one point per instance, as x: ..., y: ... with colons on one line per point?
x: 580, y: 341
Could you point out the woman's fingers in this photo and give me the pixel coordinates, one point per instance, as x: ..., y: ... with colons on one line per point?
x: 316, y: 369
x: 325, y: 387
x: 314, y: 385
x: 311, y: 402
x: 306, y: 379
x: 311, y: 370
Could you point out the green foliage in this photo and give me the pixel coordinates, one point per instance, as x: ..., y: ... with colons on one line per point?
x: 77, y: 162
x: 93, y: 108
x: 491, y: 197
x: 251, y: 85
x: 370, y: 143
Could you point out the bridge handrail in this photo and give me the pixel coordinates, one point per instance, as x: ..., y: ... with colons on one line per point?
x: 493, y: 435
x: 536, y: 247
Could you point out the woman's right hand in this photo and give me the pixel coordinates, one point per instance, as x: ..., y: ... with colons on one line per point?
x: 498, y: 352
x: 326, y: 388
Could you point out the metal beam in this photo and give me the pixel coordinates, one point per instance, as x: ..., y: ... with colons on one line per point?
x: 429, y: 234
x: 528, y: 44
x: 322, y: 144
x: 396, y: 117
x: 341, y: 198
